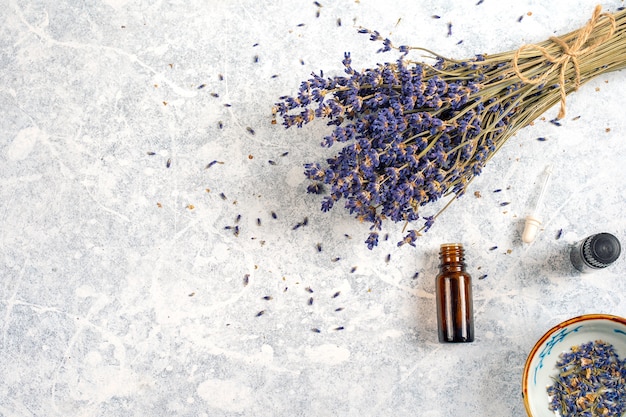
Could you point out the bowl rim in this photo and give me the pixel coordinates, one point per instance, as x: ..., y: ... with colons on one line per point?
x: 547, y: 334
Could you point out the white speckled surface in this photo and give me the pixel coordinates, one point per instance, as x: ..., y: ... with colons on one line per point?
x: 121, y: 290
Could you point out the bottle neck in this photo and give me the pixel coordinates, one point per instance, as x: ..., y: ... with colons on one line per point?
x: 452, y: 257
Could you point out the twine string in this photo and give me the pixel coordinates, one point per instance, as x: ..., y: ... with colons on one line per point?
x: 569, y: 53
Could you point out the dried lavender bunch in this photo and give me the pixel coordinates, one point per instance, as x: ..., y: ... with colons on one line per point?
x: 417, y: 132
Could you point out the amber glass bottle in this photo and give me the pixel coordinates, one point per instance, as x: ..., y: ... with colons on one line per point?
x: 455, y: 316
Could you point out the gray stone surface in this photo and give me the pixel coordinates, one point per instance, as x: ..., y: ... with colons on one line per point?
x: 121, y: 291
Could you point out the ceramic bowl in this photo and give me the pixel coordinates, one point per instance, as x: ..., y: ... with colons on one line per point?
x: 540, y: 365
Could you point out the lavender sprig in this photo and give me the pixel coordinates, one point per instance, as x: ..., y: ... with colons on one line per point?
x: 413, y: 133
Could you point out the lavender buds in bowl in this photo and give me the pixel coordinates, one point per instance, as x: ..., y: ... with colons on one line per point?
x: 578, y: 368
x: 414, y: 132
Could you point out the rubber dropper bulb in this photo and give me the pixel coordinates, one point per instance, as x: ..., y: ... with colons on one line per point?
x: 531, y: 229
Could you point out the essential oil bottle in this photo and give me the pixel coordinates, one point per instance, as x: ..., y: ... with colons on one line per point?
x: 595, y: 252
x: 455, y: 316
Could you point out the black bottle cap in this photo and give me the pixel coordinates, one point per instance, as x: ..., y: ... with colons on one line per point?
x: 601, y: 250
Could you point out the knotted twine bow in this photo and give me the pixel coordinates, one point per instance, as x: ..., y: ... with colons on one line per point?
x: 570, y: 53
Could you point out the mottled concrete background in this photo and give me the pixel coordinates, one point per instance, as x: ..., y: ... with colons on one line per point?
x: 122, y: 289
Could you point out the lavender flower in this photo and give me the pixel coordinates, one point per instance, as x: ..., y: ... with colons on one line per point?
x: 412, y: 133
